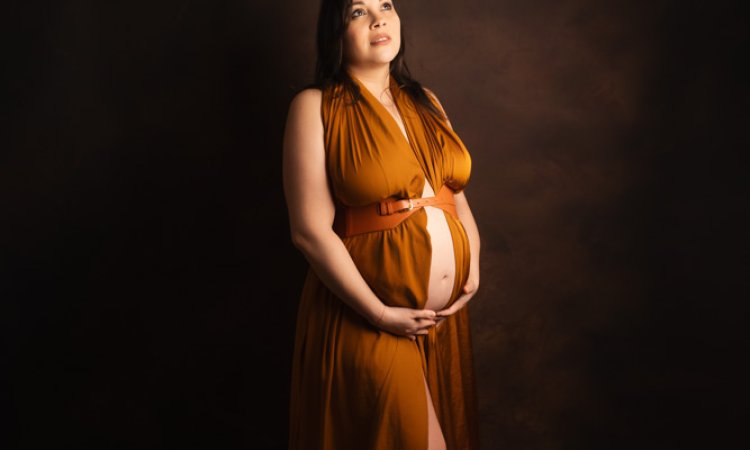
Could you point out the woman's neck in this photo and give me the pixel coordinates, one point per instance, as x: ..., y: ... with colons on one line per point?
x: 376, y: 80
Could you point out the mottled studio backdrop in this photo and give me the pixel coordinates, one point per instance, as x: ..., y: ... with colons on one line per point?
x: 148, y: 285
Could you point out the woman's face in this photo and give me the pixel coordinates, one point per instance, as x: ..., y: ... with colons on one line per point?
x: 373, y: 36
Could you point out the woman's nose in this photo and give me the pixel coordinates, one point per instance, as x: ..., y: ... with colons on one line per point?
x: 378, y: 20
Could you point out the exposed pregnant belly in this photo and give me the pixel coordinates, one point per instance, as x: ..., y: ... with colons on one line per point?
x: 443, y: 264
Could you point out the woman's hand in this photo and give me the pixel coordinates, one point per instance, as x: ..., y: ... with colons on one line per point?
x: 406, y: 321
x: 469, y: 289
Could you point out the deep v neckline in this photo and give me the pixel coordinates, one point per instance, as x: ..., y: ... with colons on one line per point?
x: 405, y: 134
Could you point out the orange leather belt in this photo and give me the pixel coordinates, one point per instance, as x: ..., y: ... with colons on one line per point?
x: 387, y: 213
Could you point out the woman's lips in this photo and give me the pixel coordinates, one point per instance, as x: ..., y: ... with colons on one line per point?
x: 386, y: 40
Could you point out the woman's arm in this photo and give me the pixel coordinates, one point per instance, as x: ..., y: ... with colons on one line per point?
x: 311, y: 212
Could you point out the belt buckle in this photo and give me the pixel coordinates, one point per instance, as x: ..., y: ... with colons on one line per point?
x: 385, y: 208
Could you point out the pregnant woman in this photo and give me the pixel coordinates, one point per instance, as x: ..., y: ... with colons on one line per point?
x: 374, y: 177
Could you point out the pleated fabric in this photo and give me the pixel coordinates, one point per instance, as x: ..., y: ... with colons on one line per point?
x: 353, y: 385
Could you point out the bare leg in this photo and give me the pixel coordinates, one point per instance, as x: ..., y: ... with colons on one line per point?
x: 435, y: 439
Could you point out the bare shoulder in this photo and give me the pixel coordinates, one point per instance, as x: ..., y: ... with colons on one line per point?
x: 308, y: 94
x: 304, y: 120
x: 306, y: 99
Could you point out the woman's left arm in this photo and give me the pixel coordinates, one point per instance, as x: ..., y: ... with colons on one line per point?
x: 472, y: 232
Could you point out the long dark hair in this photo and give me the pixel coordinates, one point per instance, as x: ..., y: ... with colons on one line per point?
x: 333, y: 20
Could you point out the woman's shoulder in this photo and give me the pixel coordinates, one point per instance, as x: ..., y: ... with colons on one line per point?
x: 315, y: 94
x: 306, y: 103
x: 307, y: 96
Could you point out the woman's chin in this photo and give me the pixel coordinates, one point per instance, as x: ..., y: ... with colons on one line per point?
x: 384, y: 60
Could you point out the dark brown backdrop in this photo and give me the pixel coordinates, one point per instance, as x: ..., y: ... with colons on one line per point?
x: 149, y: 285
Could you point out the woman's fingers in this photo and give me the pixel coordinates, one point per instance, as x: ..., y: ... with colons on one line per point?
x: 458, y: 304
x: 447, y: 312
x: 418, y: 328
x: 424, y: 314
x: 423, y: 329
x: 413, y: 336
x: 423, y: 322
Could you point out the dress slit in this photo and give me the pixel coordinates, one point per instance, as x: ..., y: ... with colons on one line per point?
x: 432, y: 418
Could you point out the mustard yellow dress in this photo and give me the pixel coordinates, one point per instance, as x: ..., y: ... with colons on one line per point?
x: 354, y: 386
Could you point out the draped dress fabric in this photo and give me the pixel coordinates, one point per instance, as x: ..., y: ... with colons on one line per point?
x: 355, y: 386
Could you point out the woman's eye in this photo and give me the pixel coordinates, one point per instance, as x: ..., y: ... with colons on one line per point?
x: 356, y: 12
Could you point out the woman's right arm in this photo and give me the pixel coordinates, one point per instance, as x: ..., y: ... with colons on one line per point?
x: 311, y: 213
